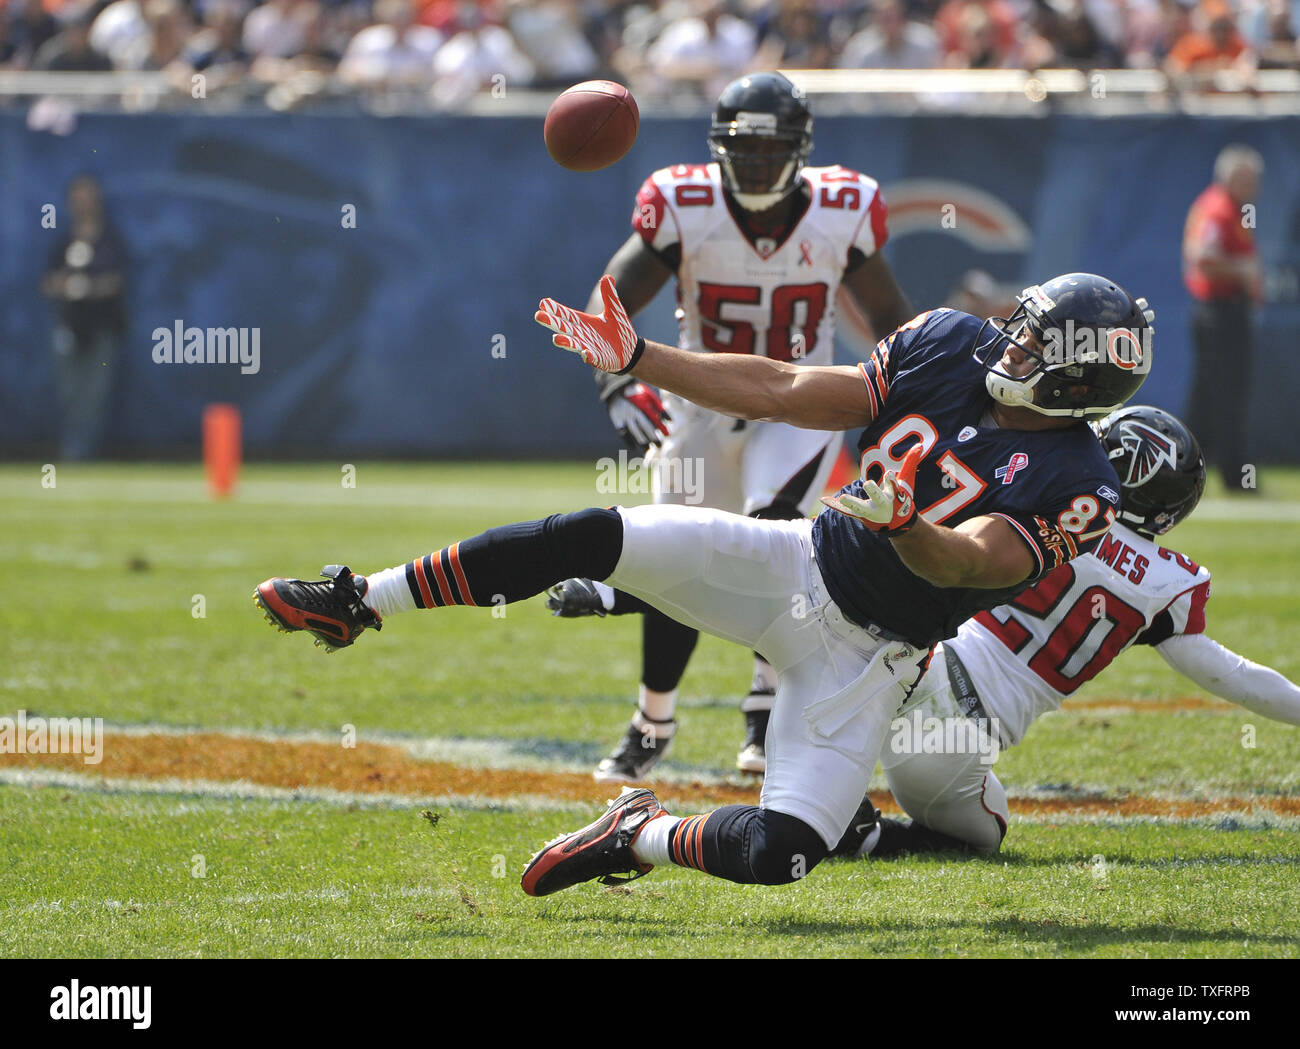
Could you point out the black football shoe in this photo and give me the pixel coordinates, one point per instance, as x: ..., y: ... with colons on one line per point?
x: 894, y: 838
x: 332, y: 612
x: 601, y: 850
x: 864, y: 821
x: 753, y: 757
x: 574, y: 598
x: 633, y: 758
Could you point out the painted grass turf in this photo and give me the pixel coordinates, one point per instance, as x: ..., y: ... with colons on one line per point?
x: 118, y: 555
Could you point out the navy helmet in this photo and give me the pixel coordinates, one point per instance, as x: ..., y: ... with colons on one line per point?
x: 760, y: 138
x: 1091, y: 347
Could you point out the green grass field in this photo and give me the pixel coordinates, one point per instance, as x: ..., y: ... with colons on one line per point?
x: 110, y: 568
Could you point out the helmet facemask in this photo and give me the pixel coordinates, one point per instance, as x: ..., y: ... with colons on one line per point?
x: 1068, y: 361
x: 760, y: 166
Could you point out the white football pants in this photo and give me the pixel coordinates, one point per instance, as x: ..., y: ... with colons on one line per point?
x: 756, y: 583
x: 939, y: 766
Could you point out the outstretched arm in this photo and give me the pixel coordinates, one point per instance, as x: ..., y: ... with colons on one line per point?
x: 816, y: 398
x: 833, y: 398
x: 1221, y: 671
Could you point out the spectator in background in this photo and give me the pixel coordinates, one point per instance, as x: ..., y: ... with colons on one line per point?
x: 1080, y: 44
x: 1200, y: 55
x: 70, y: 50
x: 85, y: 278
x: 7, y: 49
x: 797, y: 38
x: 167, y: 28
x: 119, y: 30
x: 394, y: 52
x: 217, y: 50
x: 705, y: 50
x: 317, y: 56
x: 1280, y: 49
x: 29, y: 31
x: 550, y: 35
x: 1221, y: 269
x: 891, y: 41
x: 277, y: 28
x: 479, y: 57
x: 979, y: 41
x: 977, y: 34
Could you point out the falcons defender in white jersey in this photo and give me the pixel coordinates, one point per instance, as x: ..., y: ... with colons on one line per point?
x: 1008, y: 666
x: 760, y: 245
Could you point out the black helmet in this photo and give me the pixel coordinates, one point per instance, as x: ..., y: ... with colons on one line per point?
x: 1093, y: 347
x: 1160, y: 466
x: 760, y: 138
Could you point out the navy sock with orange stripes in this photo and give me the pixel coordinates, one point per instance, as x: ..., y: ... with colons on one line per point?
x: 747, y: 844
x: 505, y: 564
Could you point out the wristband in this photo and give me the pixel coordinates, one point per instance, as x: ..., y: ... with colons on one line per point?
x: 636, y: 356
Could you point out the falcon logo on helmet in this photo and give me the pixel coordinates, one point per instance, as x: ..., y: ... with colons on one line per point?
x: 1147, y: 450
x: 1088, y: 339
x: 760, y: 138
x: 1160, y: 466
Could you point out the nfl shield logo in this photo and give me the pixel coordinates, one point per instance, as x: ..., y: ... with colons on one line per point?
x: 765, y: 246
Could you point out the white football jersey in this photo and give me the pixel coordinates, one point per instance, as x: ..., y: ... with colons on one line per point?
x: 771, y: 298
x: 1025, y: 657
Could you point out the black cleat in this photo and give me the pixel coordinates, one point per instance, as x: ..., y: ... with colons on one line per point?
x: 602, y: 849
x: 896, y: 837
x: 636, y: 755
x: 864, y: 821
x: 332, y: 611
x: 574, y: 598
x: 753, y: 756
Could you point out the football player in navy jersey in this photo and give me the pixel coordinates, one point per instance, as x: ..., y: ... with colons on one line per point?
x: 758, y: 242
x: 979, y: 475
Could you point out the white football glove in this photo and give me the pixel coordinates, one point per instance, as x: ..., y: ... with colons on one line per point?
x: 1147, y: 311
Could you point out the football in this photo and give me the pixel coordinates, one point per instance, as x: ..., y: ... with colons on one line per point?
x: 591, y: 125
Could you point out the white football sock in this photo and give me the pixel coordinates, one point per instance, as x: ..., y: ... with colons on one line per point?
x: 657, y: 706
x: 651, y: 844
x: 764, y: 678
x: 389, y: 592
x: 653, y: 729
x: 606, y: 594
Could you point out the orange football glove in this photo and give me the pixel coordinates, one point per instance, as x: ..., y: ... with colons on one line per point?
x: 889, y: 506
x: 607, y: 341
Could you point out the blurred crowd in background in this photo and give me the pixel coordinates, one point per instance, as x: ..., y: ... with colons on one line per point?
x: 455, y: 49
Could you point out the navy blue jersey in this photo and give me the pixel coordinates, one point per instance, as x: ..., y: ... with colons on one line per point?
x: 1056, y: 487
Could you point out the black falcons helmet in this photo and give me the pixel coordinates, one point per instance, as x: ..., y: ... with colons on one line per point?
x: 1160, y: 466
x: 1093, y: 347
x: 760, y: 138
